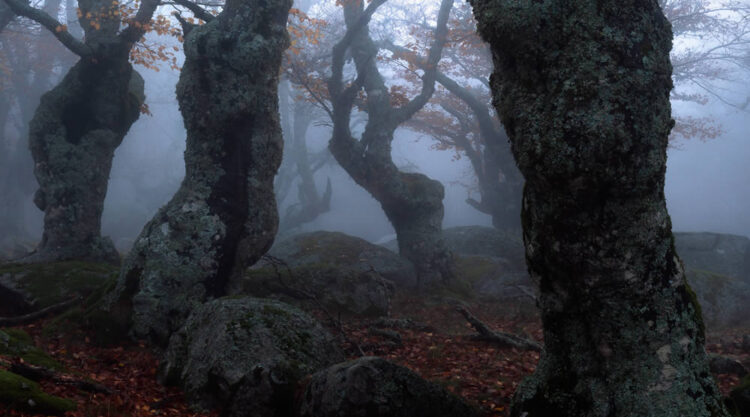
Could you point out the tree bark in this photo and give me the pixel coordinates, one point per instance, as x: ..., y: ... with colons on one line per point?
x: 583, y: 91
x: 73, y: 136
x: 223, y: 218
x: 79, y: 124
x: 412, y: 202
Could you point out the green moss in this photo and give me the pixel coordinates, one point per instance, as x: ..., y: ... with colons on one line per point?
x: 51, y: 283
x: 17, y: 343
x: 24, y: 394
x: 104, y: 328
x: 697, y: 312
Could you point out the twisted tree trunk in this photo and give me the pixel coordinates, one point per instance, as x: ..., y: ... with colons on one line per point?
x: 223, y: 218
x: 412, y: 202
x: 80, y: 123
x: 73, y: 136
x: 583, y: 90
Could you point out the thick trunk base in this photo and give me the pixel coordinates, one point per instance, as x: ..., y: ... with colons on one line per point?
x: 73, y: 136
x: 223, y: 218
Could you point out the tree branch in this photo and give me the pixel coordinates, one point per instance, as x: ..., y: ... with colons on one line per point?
x: 502, y: 339
x: 28, y: 318
x: 137, y: 27
x: 197, y: 10
x: 431, y: 66
x: 51, y: 24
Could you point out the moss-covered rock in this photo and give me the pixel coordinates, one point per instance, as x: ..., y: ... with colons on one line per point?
x: 17, y: 343
x: 247, y: 354
x: 339, y: 249
x: 374, y: 387
x: 340, y: 290
x: 23, y: 394
x: 27, y: 287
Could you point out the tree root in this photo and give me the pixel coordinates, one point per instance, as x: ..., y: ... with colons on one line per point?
x: 31, y: 317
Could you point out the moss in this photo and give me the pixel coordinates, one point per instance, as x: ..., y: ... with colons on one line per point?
x: 105, y: 328
x: 17, y: 343
x: 51, y: 283
x: 23, y: 394
x: 697, y: 312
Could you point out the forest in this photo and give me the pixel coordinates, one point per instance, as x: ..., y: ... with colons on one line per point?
x: 278, y: 208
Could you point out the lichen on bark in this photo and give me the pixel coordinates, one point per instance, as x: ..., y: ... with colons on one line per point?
x: 223, y: 217
x: 583, y: 91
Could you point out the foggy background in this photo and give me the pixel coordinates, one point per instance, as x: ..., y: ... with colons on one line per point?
x: 707, y: 186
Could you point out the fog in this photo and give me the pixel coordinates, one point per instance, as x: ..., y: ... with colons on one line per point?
x: 706, y: 184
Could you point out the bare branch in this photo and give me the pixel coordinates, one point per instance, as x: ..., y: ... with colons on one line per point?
x: 197, y: 10
x: 431, y: 66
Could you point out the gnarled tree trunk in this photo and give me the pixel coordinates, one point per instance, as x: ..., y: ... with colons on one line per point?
x: 583, y: 90
x: 223, y: 218
x: 80, y: 123
x: 73, y: 136
x: 412, y: 202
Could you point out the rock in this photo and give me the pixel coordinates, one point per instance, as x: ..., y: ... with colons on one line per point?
x: 23, y: 394
x: 338, y: 249
x: 723, y: 254
x: 725, y: 365
x: 374, y: 387
x: 740, y: 397
x: 339, y: 290
x: 746, y: 343
x: 246, y: 355
x: 723, y: 298
x: 28, y: 287
x: 494, y: 278
x: 487, y: 241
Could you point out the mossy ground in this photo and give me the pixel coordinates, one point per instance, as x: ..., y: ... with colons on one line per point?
x: 49, y: 283
x: 16, y: 343
x: 24, y: 394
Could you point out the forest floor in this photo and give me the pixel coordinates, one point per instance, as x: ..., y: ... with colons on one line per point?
x: 439, y: 347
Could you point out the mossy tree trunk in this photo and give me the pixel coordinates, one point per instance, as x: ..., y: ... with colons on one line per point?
x: 412, y: 202
x: 223, y: 218
x: 583, y: 90
x: 79, y: 124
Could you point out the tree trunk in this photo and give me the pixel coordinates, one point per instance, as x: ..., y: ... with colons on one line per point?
x: 223, y: 218
x: 412, y: 202
x: 583, y: 91
x: 73, y: 136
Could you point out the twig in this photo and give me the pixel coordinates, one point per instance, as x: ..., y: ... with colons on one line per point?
x: 502, y: 339
x: 28, y: 318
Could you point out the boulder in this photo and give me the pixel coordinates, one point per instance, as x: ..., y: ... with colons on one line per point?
x: 488, y: 242
x: 722, y: 254
x: 723, y: 299
x: 28, y: 287
x: 481, y: 241
x: 246, y: 355
x: 339, y: 249
x: 494, y: 278
x: 340, y: 290
x: 374, y: 387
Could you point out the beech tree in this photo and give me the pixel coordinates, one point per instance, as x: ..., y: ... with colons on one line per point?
x: 412, y: 202
x: 80, y: 123
x: 583, y: 90
x: 223, y: 218
x: 31, y: 60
